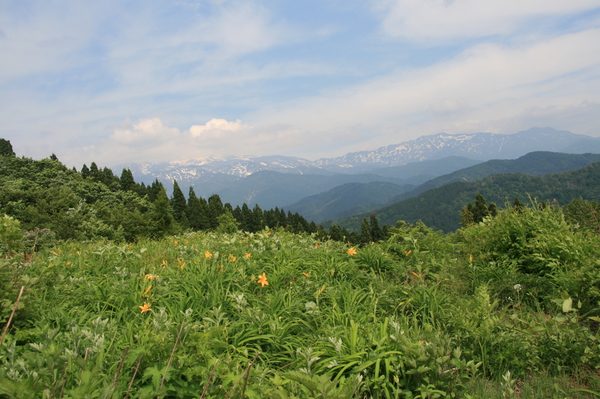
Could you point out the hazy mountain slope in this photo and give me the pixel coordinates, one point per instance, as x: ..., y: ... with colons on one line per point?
x: 534, y: 163
x: 329, y: 204
x: 440, y: 207
x: 481, y: 146
x: 270, y: 189
x: 416, y: 172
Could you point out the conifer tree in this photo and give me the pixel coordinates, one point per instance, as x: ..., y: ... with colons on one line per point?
x: 196, y: 211
x: 335, y: 233
x: 127, y: 181
x: 376, y: 232
x: 107, y: 177
x: 179, y: 205
x: 246, y: 222
x: 85, y: 171
x: 365, y: 232
x: 6, y: 148
x: 154, y: 190
x: 215, y: 209
x: 94, y: 169
x: 480, y: 210
x: 163, y: 221
x: 258, y: 219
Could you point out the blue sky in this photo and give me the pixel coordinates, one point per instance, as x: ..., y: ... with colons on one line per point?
x: 123, y: 81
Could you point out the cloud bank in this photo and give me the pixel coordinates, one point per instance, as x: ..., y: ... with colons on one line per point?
x: 153, y: 81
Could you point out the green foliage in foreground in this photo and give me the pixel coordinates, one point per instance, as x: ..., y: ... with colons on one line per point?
x: 500, y: 307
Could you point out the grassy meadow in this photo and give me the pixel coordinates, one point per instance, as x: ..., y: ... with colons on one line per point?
x: 507, y: 308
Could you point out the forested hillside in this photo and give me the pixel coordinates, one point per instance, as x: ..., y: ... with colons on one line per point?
x: 440, y: 207
x: 534, y: 163
x: 52, y: 200
x: 351, y: 197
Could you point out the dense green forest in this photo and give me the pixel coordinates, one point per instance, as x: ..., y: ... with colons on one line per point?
x: 50, y: 199
x: 440, y: 207
x: 534, y: 163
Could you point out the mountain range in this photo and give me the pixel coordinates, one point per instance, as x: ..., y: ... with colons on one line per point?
x: 281, y: 181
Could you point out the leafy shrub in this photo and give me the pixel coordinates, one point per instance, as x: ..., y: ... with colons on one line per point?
x: 537, y: 246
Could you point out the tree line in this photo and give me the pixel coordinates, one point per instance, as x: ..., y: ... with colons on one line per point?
x: 51, y: 200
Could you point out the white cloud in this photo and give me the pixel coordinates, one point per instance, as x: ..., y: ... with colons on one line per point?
x: 448, y: 19
x: 215, y: 125
x: 144, y: 133
x: 481, y: 88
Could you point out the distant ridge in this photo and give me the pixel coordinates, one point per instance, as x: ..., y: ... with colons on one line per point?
x: 221, y: 176
x: 440, y: 207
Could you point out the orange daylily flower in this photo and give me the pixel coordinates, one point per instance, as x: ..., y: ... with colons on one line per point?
x: 207, y: 255
x: 316, y: 245
x: 352, y: 251
x: 147, y: 290
x: 232, y: 258
x: 262, y: 280
x: 68, y: 263
x: 151, y: 276
x: 306, y: 275
x: 247, y: 255
x: 409, y: 252
x: 145, y: 308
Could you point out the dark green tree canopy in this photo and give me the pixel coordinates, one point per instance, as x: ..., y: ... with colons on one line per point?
x: 6, y: 149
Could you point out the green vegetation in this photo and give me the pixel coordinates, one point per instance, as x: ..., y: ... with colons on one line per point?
x: 94, y: 203
x: 507, y: 307
x: 535, y: 163
x: 111, y: 289
x: 440, y: 208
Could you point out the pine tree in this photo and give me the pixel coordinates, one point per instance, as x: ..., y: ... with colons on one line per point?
x: 376, y: 232
x: 196, y: 212
x: 94, y: 171
x: 6, y: 148
x: 154, y: 190
x: 215, y: 209
x: 127, y: 181
x: 246, y: 222
x: 335, y: 233
x: 162, y: 219
x: 365, y: 232
x: 179, y: 205
x: 466, y: 215
x: 108, y: 177
x: 258, y: 218
x: 85, y: 171
x: 480, y: 210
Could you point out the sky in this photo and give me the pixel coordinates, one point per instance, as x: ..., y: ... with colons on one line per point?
x: 121, y: 81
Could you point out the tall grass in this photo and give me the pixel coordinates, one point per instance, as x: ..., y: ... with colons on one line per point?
x: 273, y: 314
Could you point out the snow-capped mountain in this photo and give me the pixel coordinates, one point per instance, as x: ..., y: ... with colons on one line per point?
x: 479, y: 146
x: 210, y: 175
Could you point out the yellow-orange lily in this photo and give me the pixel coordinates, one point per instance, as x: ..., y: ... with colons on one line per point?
x: 262, y: 280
